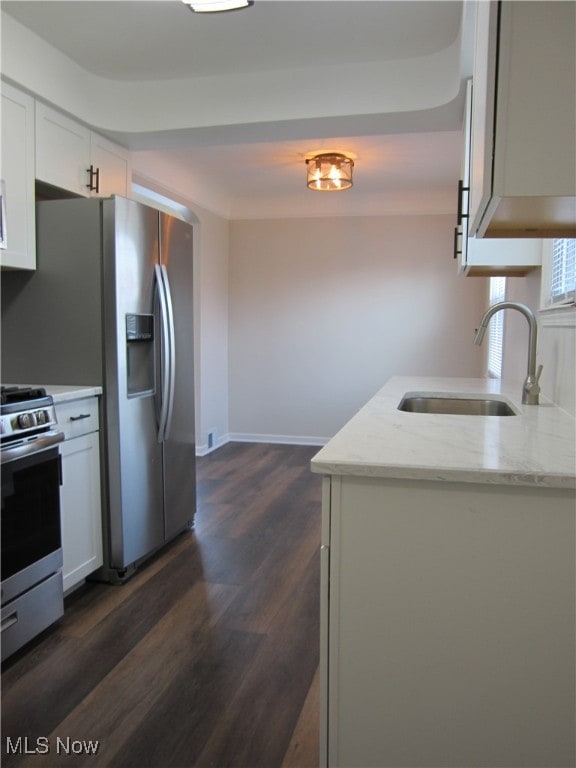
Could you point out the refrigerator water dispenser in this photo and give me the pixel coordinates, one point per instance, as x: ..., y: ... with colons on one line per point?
x: 140, y: 354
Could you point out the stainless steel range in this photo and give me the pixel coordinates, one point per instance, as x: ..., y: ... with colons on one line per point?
x: 32, y: 595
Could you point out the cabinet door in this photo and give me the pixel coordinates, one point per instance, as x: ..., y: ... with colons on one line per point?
x: 325, y: 565
x: 449, y: 645
x: 524, y: 121
x: 81, y: 514
x: 534, y: 183
x: 489, y: 256
x: 18, y: 238
x: 62, y: 151
x: 461, y: 232
x: 112, y: 165
x: 482, y: 135
x: 503, y: 256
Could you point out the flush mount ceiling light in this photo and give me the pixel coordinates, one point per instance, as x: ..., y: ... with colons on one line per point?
x: 215, y: 6
x: 329, y: 172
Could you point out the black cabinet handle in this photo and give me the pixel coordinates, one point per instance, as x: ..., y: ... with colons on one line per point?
x: 461, y: 190
x: 81, y: 416
x: 457, y: 234
x: 94, y: 182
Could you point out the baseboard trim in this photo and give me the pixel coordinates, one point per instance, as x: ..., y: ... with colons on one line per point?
x: 204, y: 450
x: 245, y: 437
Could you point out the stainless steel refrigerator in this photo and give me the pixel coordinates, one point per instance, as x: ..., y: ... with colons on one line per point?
x: 111, y: 304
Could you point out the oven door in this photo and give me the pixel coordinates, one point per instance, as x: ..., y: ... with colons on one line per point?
x: 31, y: 539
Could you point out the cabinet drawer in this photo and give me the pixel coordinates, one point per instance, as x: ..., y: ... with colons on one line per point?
x: 31, y: 613
x: 78, y: 417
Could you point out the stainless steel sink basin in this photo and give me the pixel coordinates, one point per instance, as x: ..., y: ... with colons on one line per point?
x: 463, y: 406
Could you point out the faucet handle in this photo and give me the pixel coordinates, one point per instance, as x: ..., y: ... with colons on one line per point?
x: 538, y: 374
x: 531, y: 388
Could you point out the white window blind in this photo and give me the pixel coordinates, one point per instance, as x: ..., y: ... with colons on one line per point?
x: 496, y: 328
x: 563, y: 281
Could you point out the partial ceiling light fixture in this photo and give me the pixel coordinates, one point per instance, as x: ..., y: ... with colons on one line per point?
x: 329, y: 172
x: 216, y: 6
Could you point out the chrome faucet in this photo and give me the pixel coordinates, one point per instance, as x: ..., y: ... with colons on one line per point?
x: 531, y: 388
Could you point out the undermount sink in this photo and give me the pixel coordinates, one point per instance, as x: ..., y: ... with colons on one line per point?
x: 451, y: 404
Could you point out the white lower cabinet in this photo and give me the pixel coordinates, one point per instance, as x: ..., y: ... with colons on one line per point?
x: 81, y: 513
x: 447, y: 624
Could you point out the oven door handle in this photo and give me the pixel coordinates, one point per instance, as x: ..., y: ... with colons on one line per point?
x: 9, y: 621
x: 31, y: 445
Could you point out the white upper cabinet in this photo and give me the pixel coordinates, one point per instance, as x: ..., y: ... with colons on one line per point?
x: 523, y: 143
x: 487, y: 256
x: 111, y: 165
x: 512, y: 257
x: 461, y: 229
x: 17, y: 236
x: 62, y: 151
x: 72, y: 157
x: 39, y: 142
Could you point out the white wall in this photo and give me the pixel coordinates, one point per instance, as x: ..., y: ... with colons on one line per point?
x: 323, y: 311
x: 557, y: 353
x: 211, y: 249
x: 212, y: 300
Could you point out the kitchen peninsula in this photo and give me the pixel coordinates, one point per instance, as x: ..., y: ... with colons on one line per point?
x: 448, y: 583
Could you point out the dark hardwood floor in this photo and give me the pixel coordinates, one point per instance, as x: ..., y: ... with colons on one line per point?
x: 208, y: 656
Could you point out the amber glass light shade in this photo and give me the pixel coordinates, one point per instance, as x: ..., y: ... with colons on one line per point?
x: 329, y: 172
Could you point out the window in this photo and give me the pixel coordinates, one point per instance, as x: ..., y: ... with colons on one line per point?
x: 496, y: 328
x: 563, y: 281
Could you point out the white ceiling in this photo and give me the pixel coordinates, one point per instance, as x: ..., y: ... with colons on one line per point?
x: 405, y: 160
x: 146, y: 40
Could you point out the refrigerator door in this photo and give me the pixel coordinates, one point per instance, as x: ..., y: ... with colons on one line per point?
x: 132, y: 336
x: 179, y: 443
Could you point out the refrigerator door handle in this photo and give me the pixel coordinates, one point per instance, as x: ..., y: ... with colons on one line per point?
x: 164, y: 326
x: 172, y: 347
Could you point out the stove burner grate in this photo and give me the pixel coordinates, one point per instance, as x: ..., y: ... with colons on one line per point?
x: 9, y: 395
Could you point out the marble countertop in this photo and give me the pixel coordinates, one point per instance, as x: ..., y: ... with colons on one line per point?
x: 536, y: 447
x: 61, y: 393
